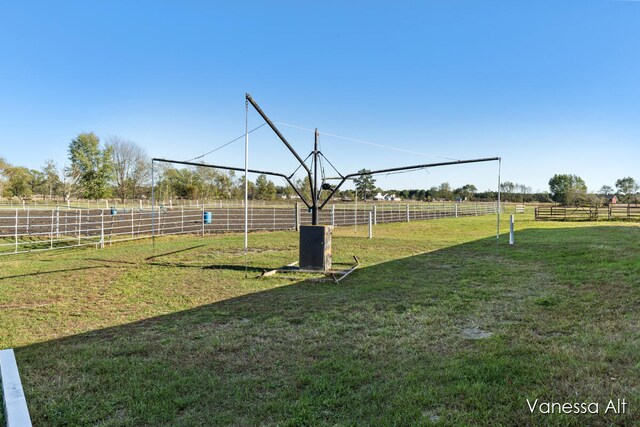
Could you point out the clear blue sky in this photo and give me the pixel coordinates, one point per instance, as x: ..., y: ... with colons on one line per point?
x: 550, y: 86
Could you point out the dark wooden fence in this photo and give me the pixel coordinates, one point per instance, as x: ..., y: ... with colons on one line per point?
x: 587, y: 213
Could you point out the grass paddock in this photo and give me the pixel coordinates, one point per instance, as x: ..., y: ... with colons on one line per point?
x: 174, y: 333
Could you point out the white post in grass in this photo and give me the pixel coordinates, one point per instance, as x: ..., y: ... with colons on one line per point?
x: 375, y: 214
x: 15, y: 403
x: 407, y: 212
x: 511, y: 236
x: 370, y: 224
x: 79, y: 224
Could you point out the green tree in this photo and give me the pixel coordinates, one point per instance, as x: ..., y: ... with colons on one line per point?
x: 19, y: 182
x: 605, y: 190
x: 567, y: 189
x: 4, y: 174
x: 265, y: 189
x: 365, y: 184
x: 91, y: 166
x: 466, y: 191
x: 304, y: 187
x: 53, y: 183
x: 628, y: 187
x: 38, y: 183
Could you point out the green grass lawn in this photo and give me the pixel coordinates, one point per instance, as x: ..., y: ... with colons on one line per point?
x: 176, y: 335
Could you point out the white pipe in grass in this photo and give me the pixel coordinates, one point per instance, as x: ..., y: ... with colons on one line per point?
x: 15, y: 403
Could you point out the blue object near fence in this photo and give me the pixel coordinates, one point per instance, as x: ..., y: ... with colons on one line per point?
x: 207, y: 217
x: 114, y: 211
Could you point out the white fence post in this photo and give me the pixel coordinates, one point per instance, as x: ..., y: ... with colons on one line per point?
x: 51, y: 231
x: 333, y: 215
x: 202, y: 217
x: 133, y: 233
x: 456, y: 205
x: 407, y: 212
x: 370, y: 224
x: 101, y: 228
x: 79, y: 224
x: 16, y: 231
x: 182, y: 219
x: 375, y: 214
x: 511, y: 236
x: 297, y: 216
x: 28, y: 226
x: 57, y: 222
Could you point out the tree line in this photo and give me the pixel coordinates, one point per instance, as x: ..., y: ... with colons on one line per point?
x: 571, y: 190
x: 120, y: 168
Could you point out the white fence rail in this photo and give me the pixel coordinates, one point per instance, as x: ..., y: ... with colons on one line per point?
x: 15, y: 403
x: 29, y: 230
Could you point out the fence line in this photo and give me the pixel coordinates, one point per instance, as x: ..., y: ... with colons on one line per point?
x: 587, y: 213
x: 31, y: 230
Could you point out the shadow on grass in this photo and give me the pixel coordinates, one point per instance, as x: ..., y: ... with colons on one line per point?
x: 385, y: 347
x: 40, y: 273
x: 174, y: 252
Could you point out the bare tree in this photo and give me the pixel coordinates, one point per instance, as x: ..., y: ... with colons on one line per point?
x: 132, y: 167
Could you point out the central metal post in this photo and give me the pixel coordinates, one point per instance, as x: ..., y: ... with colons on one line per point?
x: 314, y: 205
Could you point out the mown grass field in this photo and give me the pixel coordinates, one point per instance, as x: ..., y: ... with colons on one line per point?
x: 175, y: 335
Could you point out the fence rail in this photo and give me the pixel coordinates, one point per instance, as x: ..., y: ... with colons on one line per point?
x: 587, y: 213
x: 29, y: 230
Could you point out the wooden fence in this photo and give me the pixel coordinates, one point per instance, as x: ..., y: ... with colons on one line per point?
x: 587, y: 213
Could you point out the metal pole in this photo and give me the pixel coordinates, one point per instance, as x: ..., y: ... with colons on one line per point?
x: 153, y: 201
x: 498, y: 225
x: 314, y: 205
x: 246, y: 174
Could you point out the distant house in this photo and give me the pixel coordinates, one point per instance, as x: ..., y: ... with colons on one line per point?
x: 611, y: 200
x: 379, y: 197
x: 392, y: 198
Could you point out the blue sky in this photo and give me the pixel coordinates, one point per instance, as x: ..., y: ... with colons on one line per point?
x: 550, y: 86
